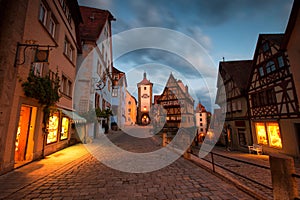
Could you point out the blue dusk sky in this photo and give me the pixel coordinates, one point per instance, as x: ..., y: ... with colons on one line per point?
x: 221, y: 28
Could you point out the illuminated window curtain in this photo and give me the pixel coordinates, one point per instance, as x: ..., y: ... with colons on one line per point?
x: 274, y: 135
x: 261, y: 133
x: 64, y: 128
x: 53, y: 128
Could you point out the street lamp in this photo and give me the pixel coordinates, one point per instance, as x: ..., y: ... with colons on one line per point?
x: 102, y: 82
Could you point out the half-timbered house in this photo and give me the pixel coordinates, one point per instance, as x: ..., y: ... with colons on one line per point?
x: 273, y: 102
x: 178, y: 104
x: 237, y: 131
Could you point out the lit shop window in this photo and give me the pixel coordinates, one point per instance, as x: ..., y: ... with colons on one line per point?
x: 274, y: 135
x: 64, y: 128
x: 268, y: 134
x: 261, y: 133
x: 53, y: 128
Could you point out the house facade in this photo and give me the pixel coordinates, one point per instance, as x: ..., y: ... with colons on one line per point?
x: 47, y: 54
x: 273, y: 102
x: 178, y: 106
x: 119, y: 98
x: 201, y: 121
x: 131, y: 109
x: 94, y: 67
x: 236, y: 133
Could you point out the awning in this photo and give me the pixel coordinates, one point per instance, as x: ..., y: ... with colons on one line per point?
x: 73, y: 115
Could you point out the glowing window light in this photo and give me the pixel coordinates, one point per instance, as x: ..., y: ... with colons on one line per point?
x: 53, y: 129
x: 274, y: 135
x: 261, y: 133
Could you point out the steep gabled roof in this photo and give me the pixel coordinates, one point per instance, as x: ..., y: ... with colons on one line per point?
x: 238, y: 71
x: 200, y: 108
x: 93, y: 22
x: 176, y: 84
x: 274, y: 38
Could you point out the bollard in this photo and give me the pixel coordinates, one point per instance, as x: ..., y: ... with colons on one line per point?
x: 284, y: 184
x: 164, y: 139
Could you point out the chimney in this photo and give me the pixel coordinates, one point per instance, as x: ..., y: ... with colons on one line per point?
x: 186, y: 89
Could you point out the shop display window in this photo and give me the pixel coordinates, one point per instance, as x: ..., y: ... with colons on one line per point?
x: 53, y: 128
x: 274, y: 135
x: 268, y: 134
x: 64, y: 128
x: 261, y: 133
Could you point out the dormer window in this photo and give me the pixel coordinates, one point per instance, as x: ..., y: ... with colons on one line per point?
x: 270, y: 67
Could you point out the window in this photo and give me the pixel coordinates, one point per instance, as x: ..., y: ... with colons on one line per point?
x: 66, y: 10
x: 145, y: 88
x: 37, y: 69
x: 53, y: 128
x: 271, y: 96
x: 270, y: 67
x: 239, y: 105
x: 261, y: 133
x: 64, y: 128
x: 274, y: 135
x: 114, y: 92
x: 264, y: 98
x: 43, y: 13
x: 66, y: 86
x: 68, y: 49
x: 268, y: 133
x: 129, y: 110
x: 200, y: 119
x: 234, y: 106
x: 280, y: 61
x: 52, y: 27
x: 261, y: 71
x: 183, y: 119
x: 129, y: 102
x: 201, y: 124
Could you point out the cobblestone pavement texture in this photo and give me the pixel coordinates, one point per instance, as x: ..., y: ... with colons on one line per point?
x: 74, y: 174
x: 253, y: 172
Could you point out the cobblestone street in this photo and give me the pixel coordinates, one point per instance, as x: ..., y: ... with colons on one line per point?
x: 85, y: 177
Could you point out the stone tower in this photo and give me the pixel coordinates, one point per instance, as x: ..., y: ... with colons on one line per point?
x: 144, y: 100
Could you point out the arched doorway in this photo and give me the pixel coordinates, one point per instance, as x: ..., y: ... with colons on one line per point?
x: 145, y: 119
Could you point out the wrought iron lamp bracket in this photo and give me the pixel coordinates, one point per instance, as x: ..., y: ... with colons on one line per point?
x: 32, y: 46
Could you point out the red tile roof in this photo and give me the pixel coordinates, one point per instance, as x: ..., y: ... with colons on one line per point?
x: 145, y: 81
x: 93, y: 22
x: 200, y: 108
